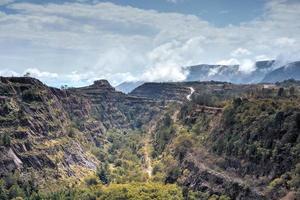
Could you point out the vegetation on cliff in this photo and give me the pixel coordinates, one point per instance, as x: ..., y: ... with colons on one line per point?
x: 229, y: 142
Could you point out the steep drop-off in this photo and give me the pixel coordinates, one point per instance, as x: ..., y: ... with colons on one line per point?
x: 52, y: 131
x: 225, y: 141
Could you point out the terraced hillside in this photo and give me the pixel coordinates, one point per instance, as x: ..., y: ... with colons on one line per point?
x: 225, y: 141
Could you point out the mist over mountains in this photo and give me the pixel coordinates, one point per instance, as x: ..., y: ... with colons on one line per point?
x: 268, y: 71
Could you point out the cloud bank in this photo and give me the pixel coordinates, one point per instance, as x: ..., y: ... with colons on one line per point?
x: 76, y: 43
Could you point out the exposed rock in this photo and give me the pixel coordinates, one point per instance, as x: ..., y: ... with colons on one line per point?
x: 15, y: 158
x: 41, y: 123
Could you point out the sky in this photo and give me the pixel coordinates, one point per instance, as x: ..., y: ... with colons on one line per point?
x: 75, y: 42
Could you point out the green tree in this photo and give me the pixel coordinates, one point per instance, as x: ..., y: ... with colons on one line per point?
x: 89, y: 181
x: 15, y: 191
x: 6, y: 140
x: 103, y: 174
x: 27, y: 74
x: 3, y: 191
x: 183, y: 144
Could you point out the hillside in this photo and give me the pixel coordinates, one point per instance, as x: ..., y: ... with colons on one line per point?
x: 289, y: 71
x: 229, y: 73
x: 163, y: 140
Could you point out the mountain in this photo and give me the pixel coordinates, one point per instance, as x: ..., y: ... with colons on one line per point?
x: 127, y: 87
x: 264, y: 70
x: 289, y: 71
x: 211, y: 72
x: 204, y: 72
x: 55, y: 131
x: 179, y: 140
x: 228, y: 73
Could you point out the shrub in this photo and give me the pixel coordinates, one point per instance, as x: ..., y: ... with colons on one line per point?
x: 91, y: 181
x: 183, y: 144
x: 103, y: 175
x: 15, y: 191
x: 6, y: 140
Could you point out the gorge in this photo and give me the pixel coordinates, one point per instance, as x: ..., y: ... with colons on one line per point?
x: 192, y: 140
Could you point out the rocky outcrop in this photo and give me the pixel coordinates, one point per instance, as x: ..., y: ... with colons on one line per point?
x: 40, y: 125
x: 163, y: 91
x: 205, y: 178
x: 115, y: 109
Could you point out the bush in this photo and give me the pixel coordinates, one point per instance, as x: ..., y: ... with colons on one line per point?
x: 103, y: 175
x: 6, y: 140
x: 91, y: 181
x: 141, y: 191
x: 183, y: 144
x: 71, y: 132
x: 15, y: 191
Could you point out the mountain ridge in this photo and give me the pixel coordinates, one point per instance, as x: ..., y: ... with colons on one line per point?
x: 226, y: 73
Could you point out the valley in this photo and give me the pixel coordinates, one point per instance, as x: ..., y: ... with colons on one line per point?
x: 176, y: 140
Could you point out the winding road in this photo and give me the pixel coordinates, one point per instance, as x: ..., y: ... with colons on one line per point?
x: 188, y: 97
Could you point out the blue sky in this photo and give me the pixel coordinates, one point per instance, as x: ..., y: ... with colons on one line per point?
x: 217, y: 12
x: 76, y: 42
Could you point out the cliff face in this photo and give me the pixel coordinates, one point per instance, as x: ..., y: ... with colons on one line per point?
x: 35, y: 129
x: 202, y: 91
x: 52, y: 130
x: 251, y: 150
x: 247, y: 148
x: 162, y: 91
x: 115, y: 109
x: 212, y: 143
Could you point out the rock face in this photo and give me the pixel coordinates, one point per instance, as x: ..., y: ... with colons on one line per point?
x: 35, y: 121
x: 251, y: 151
x: 47, y: 128
x: 115, y: 109
x: 178, y: 91
x: 205, y: 178
x: 162, y: 91
x: 241, y: 148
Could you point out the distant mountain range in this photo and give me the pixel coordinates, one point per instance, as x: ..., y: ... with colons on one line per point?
x: 229, y: 73
x: 291, y: 70
x: 127, y: 87
x: 269, y: 71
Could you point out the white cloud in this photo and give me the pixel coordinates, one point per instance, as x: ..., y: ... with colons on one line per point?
x: 262, y: 57
x: 240, y: 52
x: 166, y: 62
x: 224, y: 12
x: 5, y: 2
x: 231, y: 61
x: 174, y: 1
x: 48, y: 77
x: 7, y: 72
x: 245, y: 65
x: 105, y: 40
x: 285, y: 42
x: 34, y: 72
x: 213, y: 71
x: 165, y: 72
